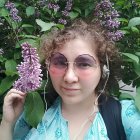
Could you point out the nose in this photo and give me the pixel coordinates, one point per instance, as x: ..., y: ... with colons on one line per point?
x: 70, y: 74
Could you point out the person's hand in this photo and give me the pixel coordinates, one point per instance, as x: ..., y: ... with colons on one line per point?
x: 13, y: 106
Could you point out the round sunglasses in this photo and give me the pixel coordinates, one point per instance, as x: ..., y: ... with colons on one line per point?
x: 58, y: 63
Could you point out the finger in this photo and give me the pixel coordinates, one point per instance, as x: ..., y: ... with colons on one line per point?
x: 16, y: 91
x: 12, y: 97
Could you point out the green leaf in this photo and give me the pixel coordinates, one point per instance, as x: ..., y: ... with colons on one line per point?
x: 6, y: 83
x: 137, y: 98
x: 137, y: 53
x: 45, y: 26
x: 125, y: 32
x: 137, y: 68
x: 10, y: 66
x: 125, y: 96
x: 4, y: 12
x: 134, y: 21
x: 135, y: 30
x: 77, y: 9
x: 60, y: 26
x: 2, y: 2
x: 132, y: 56
x: 30, y: 41
x: 73, y: 15
x: 30, y: 11
x: 2, y: 59
x: 34, y: 109
x: 27, y: 26
x: 122, y: 20
x: 28, y: 36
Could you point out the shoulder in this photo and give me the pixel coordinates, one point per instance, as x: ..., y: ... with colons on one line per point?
x: 129, y: 109
x: 130, y: 119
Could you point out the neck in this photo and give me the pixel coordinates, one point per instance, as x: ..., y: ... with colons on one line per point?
x: 79, y: 109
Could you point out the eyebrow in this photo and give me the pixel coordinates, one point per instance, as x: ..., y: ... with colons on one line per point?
x: 77, y: 56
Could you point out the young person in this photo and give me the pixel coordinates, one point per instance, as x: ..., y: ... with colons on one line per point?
x: 81, y: 64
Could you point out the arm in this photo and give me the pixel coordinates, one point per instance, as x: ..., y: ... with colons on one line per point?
x: 12, y: 108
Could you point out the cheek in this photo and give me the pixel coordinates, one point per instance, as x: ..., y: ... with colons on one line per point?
x: 54, y: 73
x: 90, y: 75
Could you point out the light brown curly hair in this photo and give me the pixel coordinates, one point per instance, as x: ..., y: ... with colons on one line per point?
x: 90, y: 32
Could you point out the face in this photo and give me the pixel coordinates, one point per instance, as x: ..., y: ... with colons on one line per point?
x: 75, y: 71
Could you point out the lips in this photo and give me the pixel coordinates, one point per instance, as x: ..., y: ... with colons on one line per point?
x: 70, y: 89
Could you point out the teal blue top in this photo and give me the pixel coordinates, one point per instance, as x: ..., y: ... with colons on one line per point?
x: 54, y: 127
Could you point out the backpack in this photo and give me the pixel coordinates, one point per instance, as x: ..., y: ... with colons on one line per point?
x: 110, y: 110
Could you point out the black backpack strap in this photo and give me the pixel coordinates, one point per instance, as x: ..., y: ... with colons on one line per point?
x: 110, y: 110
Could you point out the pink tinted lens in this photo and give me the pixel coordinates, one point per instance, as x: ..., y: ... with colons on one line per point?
x: 83, y: 64
x: 58, y: 63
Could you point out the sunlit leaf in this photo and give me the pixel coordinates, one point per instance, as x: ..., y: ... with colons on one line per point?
x: 132, y: 56
x: 45, y: 26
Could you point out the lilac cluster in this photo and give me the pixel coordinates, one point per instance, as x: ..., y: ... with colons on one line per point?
x: 65, y: 12
x: 62, y: 21
x: 1, y: 51
x: 29, y: 70
x: 13, y: 11
x: 53, y: 6
x: 115, y: 36
x: 67, y: 8
x: 107, y: 17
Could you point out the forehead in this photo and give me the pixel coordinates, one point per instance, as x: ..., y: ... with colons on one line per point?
x: 77, y: 47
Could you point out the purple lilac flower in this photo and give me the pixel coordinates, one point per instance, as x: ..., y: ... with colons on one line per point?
x: 53, y: 6
x: 62, y: 21
x: 67, y: 8
x: 29, y: 70
x: 68, y: 5
x: 65, y: 13
x: 116, y: 35
x: 111, y: 24
x: 10, y: 5
x: 1, y: 51
x: 13, y: 11
x: 107, y: 17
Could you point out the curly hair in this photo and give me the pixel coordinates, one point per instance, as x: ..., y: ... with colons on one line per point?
x: 90, y: 32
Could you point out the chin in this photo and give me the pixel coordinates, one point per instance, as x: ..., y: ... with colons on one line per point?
x: 71, y: 99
